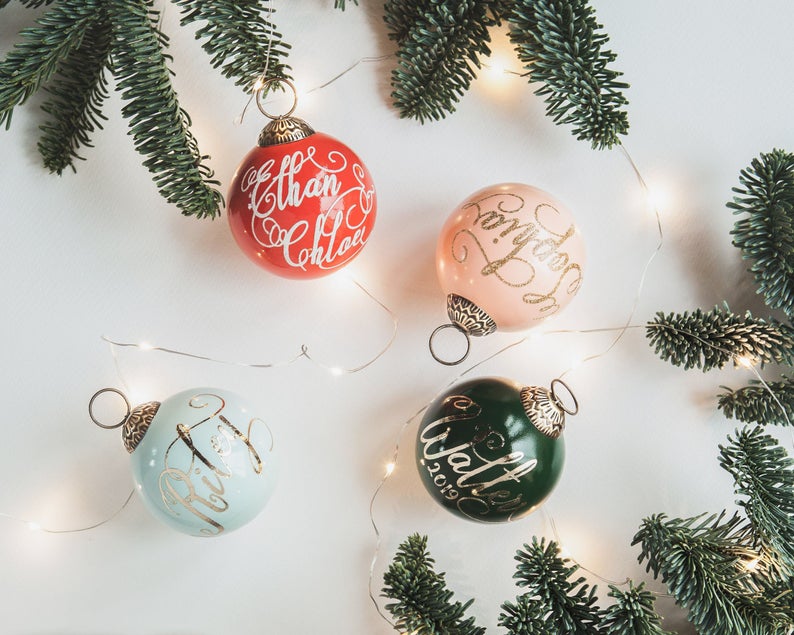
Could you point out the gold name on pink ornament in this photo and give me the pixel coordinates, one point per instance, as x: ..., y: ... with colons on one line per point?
x: 476, y: 490
x: 539, y: 241
x: 337, y: 232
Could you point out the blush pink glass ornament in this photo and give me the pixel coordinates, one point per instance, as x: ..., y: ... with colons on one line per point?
x: 507, y: 258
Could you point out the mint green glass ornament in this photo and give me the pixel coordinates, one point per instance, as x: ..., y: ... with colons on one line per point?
x: 202, y: 462
x: 491, y: 450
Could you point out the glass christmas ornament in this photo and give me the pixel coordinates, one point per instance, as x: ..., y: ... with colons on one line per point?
x: 202, y: 462
x: 491, y: 450
x: 301, y: 203
x: 508, y: 257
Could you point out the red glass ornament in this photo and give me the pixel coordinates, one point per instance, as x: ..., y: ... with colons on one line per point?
x: 301, y: 204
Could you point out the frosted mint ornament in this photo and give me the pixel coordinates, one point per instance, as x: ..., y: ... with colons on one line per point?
x: 202, y: 461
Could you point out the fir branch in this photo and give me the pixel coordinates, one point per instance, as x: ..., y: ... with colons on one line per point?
x: 400, y: 18
x: 712, y: 339
x: 438, y: 52
x: 760, y: 404
x: 764, y: 477
x: 30, y: 4
x: 766, y: 234
x: 423, y: 603
x: 553, y: 601
x: 240, y: 38
x: 35, y: 59
x: 159, y: 127
x: 562, y: 46
x: 703, y: 562
x: 77, y: 93
x: 633, y: 613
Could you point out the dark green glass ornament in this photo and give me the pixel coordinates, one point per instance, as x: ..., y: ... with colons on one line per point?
x: 490, y: 449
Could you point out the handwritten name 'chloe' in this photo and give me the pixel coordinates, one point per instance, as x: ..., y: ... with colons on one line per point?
x: 336, y: 234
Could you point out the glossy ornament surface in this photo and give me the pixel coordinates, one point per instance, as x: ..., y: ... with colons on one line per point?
x: 202, y: 462
x: 508, y: 257
x: 301, y: 204
x: 490, y: 449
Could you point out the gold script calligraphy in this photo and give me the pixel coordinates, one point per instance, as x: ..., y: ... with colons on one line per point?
x: 474, y: 490
x: 532, y: 241
x: 199, y: 487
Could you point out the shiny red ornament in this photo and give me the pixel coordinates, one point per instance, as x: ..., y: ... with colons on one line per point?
x: 301, y: 204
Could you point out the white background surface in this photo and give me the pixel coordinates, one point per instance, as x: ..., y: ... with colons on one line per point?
x: 100, y: 253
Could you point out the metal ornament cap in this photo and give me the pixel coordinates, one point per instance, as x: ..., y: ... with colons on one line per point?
x: 468, y: 316
x: 284, y: 130
x: 544, y: 408
x: 137, y: 423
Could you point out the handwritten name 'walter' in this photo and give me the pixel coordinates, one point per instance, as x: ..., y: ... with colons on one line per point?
x: 475, y: 488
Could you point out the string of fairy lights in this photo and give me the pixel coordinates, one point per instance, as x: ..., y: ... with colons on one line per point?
x: 391, y: 465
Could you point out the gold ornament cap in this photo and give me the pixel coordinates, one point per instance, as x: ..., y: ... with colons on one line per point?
x: 283, y: 128
x: 133, y: 424
x: 468, y: 316
x: 544, y: 408
x: 137, y: 423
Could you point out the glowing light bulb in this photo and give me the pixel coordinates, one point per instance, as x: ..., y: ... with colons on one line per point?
x: 496, y: 68
x: 33, y: 526
x: 565, y: 553
x: 258, y: 84
x: 745, y: 360
x: 389, y: 469
x: 336, y: 371
x: 145, y: 346
x: 752, y: 565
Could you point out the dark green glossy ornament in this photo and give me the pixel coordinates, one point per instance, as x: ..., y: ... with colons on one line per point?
x: 490, y: 449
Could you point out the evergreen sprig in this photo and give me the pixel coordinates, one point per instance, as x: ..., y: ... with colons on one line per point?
x: 765, y: 404
x: 440, y: 44
x: 239, y: 37
x: 562, y: 47
x: 703, y: 561
x: 423, y: 604
x: 764, y: 479
x: 554, y: 599
x: 766, y: 233
x: 633, y: 613
x: 714, y: 338
x: 160, y: 128
x: 76, y: 96
x: 74, y: 44
x: 36, y: 58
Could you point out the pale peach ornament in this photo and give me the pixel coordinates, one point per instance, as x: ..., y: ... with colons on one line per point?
x: 507, y: 258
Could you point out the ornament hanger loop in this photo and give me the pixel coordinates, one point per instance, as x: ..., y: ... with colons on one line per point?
x: 263, y: 89
x: 444, y: 361
x: 91, y: 408
x: 556, y: 398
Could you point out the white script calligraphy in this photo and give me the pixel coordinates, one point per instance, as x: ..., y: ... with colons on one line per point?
x: 337, y: 232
